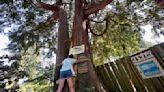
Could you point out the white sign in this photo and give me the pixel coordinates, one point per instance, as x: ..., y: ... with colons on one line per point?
x: 147, y: 65
x: 77, y: 50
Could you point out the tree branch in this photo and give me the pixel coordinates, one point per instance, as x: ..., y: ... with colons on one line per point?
x: 96, y: 8
x: 56, y: 15
x: 33, y: 4
x: 97, y: 21
x: 40, y: 4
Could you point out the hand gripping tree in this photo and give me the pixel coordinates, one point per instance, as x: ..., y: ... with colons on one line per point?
x: 82, y: 10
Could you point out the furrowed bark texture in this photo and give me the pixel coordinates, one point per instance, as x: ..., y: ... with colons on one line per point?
x: 84, y: 81
x: 80, y: 36
x: 63, y: 43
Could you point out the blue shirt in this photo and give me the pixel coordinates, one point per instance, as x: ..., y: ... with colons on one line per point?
x: 67, y: 64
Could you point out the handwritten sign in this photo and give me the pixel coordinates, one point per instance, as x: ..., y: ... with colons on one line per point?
x: 77, y: 49
x: 147, y: 65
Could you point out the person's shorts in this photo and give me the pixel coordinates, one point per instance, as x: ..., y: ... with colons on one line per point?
x: 65, y: 74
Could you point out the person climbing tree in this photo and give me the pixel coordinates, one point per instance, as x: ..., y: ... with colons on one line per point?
x: 67, y: 73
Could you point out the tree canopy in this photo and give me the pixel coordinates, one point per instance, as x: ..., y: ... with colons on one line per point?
x: 114, y: 31
x: 32, y: 26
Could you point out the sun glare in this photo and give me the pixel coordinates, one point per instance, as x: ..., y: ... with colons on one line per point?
x: 150, y: 37
x: 3, y: 44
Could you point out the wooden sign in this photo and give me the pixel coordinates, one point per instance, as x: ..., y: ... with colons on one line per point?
x: 77, y: 49
x: 147, y: 65
x: 82, y: 68
x: 142, y: 56
x: 83, y: 58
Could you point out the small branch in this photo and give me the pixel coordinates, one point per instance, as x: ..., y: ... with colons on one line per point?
x: 33, y: 4
x: 96, y: 8
x: 97, y: 21
x: 40, y: 4
x: 50, y: 20
x: 66, y: 3
x: 48, y: 6
x: 55, y: 16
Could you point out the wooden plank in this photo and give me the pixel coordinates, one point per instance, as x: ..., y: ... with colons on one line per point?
x: 106, y: 82
x: 135, y: 81
x: 145, y: 82
x: 119, y: 77
x: 82, y: 67
x: 158, y: 52
x: 127, y: 69
x: 113, y: 78
x: 98, y: 71
x: 108, y: 79
x: 161, y: 79
x: 157, y: 84
x: 124, y: 76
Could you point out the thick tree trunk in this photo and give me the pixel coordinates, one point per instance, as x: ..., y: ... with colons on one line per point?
x: 80, y: 36
x: 88, y: 80
x: 63, y: 44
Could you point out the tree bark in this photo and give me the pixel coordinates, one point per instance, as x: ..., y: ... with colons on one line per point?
x: 88, y: 80
x: 63, y: 37
x: 63, y: 44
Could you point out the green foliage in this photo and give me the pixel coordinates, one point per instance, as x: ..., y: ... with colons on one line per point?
x: 32, y: 27
x: 32, y: 87
x: 30, y: 63
x: 123, y: 35
x: 39, y: 78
